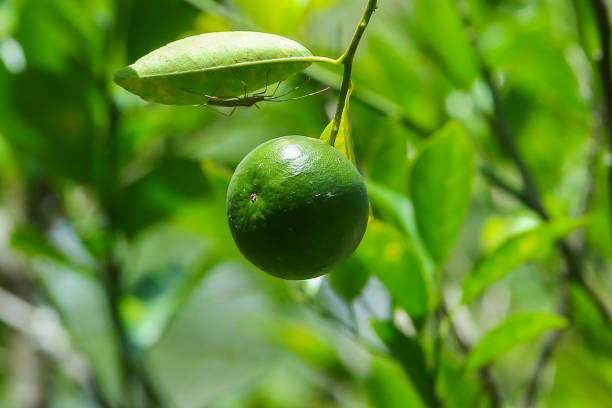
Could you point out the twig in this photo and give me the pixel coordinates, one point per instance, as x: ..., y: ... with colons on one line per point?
x: 351, y: 330
x: 486, y: 379
x: 600, y: 9
x: 55, y: 342
x: 531, y: 198
x: 498, y: 121
x: 596, y: 140
x: 554, y: 338
x: 347, y: 60
x: 133, y: 375
x: 370, y: 99
x: 495, y: 179
x: 533, y: 387
x: 550, y: 344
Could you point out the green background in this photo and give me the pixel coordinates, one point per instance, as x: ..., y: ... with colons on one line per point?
x: 113, y: 208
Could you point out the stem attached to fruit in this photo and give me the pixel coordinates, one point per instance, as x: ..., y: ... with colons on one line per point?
x: 347, y: 60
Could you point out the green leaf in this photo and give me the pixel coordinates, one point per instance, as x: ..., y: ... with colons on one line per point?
x: 517, y: 329
x: 51, y: 118
x: 457, y: 387
x: 220, y: 338
x: 444, y: 42
x: 83, y: 308
x: 409, y: 353
x: 513, y: 252
x: 35, y: 245
x: 311, y: 345
x: 172, y: 184
x: 31, y: 242
x: 388, y: 163
x: 343, y: 141
x: 387, y: 386
x: 440, y: 187
x: 397, y: 209
x: 385, y: 252
x: 151, y: 319
x: 349, y: 279
x: 591, y: 320
x: 283, y: 17
x: 221, y: 65
x: 144, y: 33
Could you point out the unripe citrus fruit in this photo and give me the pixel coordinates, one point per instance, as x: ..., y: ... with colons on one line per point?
x: 297, y: 207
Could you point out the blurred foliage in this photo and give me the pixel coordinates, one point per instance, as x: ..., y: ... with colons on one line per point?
x: 113, y: 209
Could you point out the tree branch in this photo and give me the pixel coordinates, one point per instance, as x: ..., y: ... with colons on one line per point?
x: 528, y: 195
x: 531, y: 198
x: 486, y: 379
x: 550, y: 344
x: 133, y: 375
x: 600, y: 9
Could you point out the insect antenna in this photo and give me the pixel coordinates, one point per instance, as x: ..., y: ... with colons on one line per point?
x: 289, y: 92
x: 298, y: 97
x: 208, y: 96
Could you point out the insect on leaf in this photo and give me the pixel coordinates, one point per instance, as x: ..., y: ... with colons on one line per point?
x: 213, y: 66
x: 515, y: 330
x: 343, y: 141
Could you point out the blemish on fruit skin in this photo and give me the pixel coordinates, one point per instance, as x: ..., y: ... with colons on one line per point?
x: 338, y: 160
x: 329, y: 194
x: 253, y: 197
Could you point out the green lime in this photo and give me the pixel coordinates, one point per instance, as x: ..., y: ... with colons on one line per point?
x: 297, y: 207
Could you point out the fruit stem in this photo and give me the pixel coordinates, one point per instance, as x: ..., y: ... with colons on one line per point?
x: 347, y: 60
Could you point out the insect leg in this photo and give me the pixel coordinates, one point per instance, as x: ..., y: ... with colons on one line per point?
x: 206, y: 95
x: 218, y: 111
x: 266, y: 88
x: 277, y: 86
x: 244, y: 85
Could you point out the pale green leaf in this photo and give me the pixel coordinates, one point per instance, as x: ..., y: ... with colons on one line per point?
x: 214, y: 66
x: 513, y: 252
x: 343, y: 141
x: 283, y: 17
x: 397, y: 209
x: 515, y: 330
x: 385, y: 253
x: 349, y: 279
